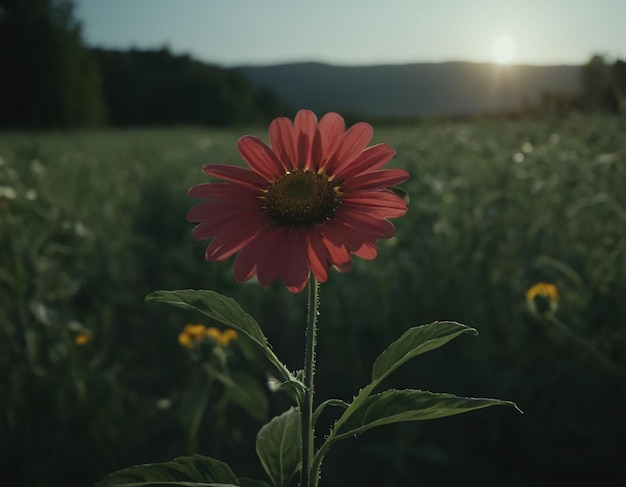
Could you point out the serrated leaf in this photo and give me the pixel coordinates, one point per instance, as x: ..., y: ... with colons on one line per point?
x: 227, y: 311
x: 196, y: 471
x: 279, y: 445
x: 415, y: 341
x: 395, y: 406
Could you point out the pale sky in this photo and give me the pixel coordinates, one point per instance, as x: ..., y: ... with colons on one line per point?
x: 360, y: 32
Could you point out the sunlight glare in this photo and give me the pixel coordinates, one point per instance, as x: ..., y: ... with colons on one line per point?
x: 503, y: 49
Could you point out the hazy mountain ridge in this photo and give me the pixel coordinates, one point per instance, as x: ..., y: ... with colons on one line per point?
x: 448, y: 88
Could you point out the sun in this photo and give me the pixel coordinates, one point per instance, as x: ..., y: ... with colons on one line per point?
x: 503, y: 49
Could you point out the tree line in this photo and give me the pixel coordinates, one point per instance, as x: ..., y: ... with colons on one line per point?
x: 50, y: 80
x: 603, y: 88
x: 47, y: 77
x: 157, y: 87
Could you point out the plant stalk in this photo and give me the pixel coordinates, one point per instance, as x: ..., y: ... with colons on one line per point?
x: 600, y: 358
x: 309, y: 478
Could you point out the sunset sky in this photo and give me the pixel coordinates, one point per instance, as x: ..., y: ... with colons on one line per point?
x: 362, y: 32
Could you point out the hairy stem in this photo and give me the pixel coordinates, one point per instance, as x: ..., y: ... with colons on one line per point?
x: 308, y: 478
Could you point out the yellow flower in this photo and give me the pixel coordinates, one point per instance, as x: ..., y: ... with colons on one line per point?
x: 82, y: 339
x: 195, y: 331
x: 542, y: 294
x: 222, y: 338
x: 191, y: 335
x: 194, y: 334
x: 185, y: 340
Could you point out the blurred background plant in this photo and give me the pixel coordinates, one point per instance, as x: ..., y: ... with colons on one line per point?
x: 91, y: 221
x: 495, y: 208
x: 213, y: 387
x: 80, y: 348
x: 543, y: 301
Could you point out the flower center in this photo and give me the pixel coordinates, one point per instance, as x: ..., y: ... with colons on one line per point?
x: 301, y: 197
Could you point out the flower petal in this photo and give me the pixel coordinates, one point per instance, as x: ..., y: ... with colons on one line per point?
x: 338, y: 254
x: 318, y: 256
x: 293, y: 253
x: 331, y: 128
x: 365, y: 225
x: 256, y: 257
x: 316, y: 152
x: 246, y: 260
x: 270, y: 264
x: 375, y: 180
x: 223, y: 191
x: 275, y: 252
x: 260, y: 157
x: 236, y: 174
x: 210, y: 210
x: 367, y: 251
x: 228, y: 243
x: 282, y: 141
x: 226, y: 223
x: 344, y: 268
x: 370, y: 159
x: 353, y: 142
x: 346, y: 234
x: 381, y: 204
x: 305, y: 125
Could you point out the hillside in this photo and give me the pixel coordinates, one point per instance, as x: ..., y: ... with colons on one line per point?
x: 412, y: 89
x: 157, y: 87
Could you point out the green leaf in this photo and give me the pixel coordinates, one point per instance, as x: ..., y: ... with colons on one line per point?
x: 416, y: 341
x: 192, y: 408
x: 193, y: 471
x: 246, y: 482
x: 247, y: 393
x: 179, y: 484
x: 227, y: 311
x: 395, y: 406
x: 413, y: 342
x: 221, y: 308
x: 279, y: 447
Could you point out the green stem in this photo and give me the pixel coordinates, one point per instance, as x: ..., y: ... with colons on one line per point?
x: 308, y: 478
x: 600, y: 358
x: 198, y: 413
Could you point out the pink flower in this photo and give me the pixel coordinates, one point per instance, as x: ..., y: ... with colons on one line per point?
x: 308, y: 202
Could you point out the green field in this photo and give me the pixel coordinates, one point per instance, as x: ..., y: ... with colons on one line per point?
x: 92, y: 222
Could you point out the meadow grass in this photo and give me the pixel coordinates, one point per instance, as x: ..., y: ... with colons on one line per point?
x: 92, y: 222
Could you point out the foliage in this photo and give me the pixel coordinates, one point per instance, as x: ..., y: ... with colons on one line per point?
x: 156, y: 87
x: 280, y: 442
x: 49, y: 79
x: 97, y: 223
x: 603, y: 88
x: 55, y: 82
x: 192, y: 471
